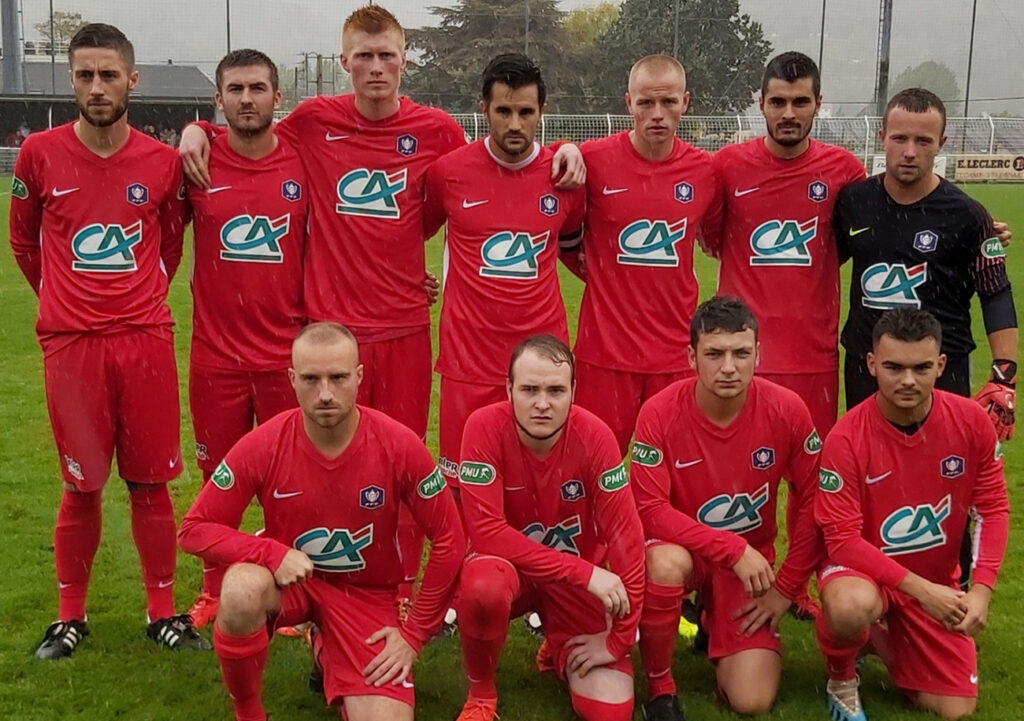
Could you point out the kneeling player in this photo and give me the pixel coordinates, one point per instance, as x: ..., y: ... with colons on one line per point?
x: 546, y: 505
x: 709, y: 454
x: 899, y: 476
x: 331, y: 477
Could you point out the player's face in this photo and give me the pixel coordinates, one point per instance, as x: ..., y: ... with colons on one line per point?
x: 541, y: 392
x: 326, y: 380
x: 725, y: 362
x: 789, y: 110
x: 905, y: 371
x: 248, y: 99
x: 375, y: 63
x: 102, y: 82
x: 513, y: 116
x: 911, y: 141
x: 657, y: 100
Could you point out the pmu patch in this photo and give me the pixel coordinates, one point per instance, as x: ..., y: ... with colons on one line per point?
x: 817, y: 191
x: 763, y: 458
x: 371, y: 497
x: 548, y: 204
x: 291, y: 190
x: 572, y: 491
x: 683, y: 192
x: 138, y: 194
x: 926, y: 241
x: 952, y: 467
x: 407, y: 145
x: 223, y: 478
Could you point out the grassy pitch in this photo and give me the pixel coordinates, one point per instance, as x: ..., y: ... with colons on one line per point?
x: 119, y: 673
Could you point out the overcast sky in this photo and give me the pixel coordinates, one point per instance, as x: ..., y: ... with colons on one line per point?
x: 194, y: 31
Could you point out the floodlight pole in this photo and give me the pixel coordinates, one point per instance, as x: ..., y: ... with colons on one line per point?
x: 821, y: 37
x: 675, y: 33
x: 970, y: 60
x: 227, y: 21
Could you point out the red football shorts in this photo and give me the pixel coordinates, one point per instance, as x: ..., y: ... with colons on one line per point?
x: 931, y: 659
x: 346, y: 616
x: 615, y: 396
x: 114, y: 392
x: 820, y: 391
x: 397, y: 377
x: 458, y: 400
x: 224, y: 404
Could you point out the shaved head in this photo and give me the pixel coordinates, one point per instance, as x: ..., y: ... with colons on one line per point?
x: 656, y: 65
x: 323, y: 334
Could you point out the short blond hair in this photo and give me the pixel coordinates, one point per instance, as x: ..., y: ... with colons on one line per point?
x: 657, y: 64
x: 372, y: 20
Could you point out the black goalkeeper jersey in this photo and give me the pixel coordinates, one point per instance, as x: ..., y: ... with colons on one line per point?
x: 933, y: 254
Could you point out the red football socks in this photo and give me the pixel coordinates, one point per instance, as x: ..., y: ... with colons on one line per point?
x: 242, y: 659
x: 591, y: 710
x: 659, y: 624
x: 486, y: 591
x: 75, y: 540
x: 840, y: 653
x: 154, y: 532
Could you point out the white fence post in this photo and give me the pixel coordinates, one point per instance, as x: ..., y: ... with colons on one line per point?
x: 867, y: 143
x: 991, y: 136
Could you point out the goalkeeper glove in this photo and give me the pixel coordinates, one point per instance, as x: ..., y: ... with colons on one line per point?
x: 998, y: 397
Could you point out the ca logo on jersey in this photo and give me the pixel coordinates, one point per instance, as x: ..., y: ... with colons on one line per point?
x: 511, y: 254
x: 336, y: 551
x: 915, y: 528
x: 887, y: 286
x: 372, y: 193
x: 561, y: 537
x: 739, y: 513
x: 783, y: 242
x: 106, y: 248
x: 651, y: 242
x: 254, y: 238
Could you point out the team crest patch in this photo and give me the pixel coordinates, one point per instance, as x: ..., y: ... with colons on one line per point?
x: 223, y: 478
x: 683, y: 192
x: 572, y: 491
x: 817, y: 191
x: 407, y: 145
x: 371, y: 497
x: 926, y: 241
x: 138, y: 194
x: 291, y: 190
x: 18, y: 189
x: 763, y: 458
x: 952, y: 467
x: 548, y: 204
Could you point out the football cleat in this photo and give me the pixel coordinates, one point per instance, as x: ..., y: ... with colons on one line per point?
x: 316, y: 673
x: 479, y: 709
x: 61, y: 639
x: 204, y: 610
x: 544, y: 660
x: 663, y: 708
x: 451, y: 623
x: 533, y: 624
x: 844, y: 700
x: 689, y: 620
x: 176, y: 632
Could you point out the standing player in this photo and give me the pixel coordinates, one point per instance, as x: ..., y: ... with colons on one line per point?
x: 547, y: 506
x: 506, y: 224
x: 900, y: 474
x: 331, y: 477
x: 96, y: 227
x: 250, y: 232
x: 709, y: 454
x: 647, y: 194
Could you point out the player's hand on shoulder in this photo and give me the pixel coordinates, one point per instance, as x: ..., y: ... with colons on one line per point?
x: 754, y: 571
x: 569, y: 158
x: 194, y: 150
x: 608, y: 589
x: 394, y: 663
x: 769, y: 608
x: 1003, y: 232
x: 432, y: 286
x: 976, y: 619
x: 295, y: 567
x: 588, y: 651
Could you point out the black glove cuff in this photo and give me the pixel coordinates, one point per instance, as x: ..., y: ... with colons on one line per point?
x: 1004, y: 372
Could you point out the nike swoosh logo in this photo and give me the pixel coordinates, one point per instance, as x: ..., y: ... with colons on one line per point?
x: 57, y: 193
x: 328, y: 137
x: 165, y: 584
x: 974, y: 679
x: 612, y: 191
x: 278, y: 494
x: 170, y: 463
x: 468, y: 204
x: 858, y: 231
x: 689, y: 463
x: 406, y: 684
x: 62, y: 586
x: 514, y: 488
x: 211, y: 191
x: 876, y: 479
x: 740, y: 193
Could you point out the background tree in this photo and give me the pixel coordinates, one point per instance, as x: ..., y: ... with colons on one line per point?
x: 65, y: 25
x: 938, y: 78
x: 584, y: 25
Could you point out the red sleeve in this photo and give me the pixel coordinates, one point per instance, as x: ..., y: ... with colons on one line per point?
x: 652, y: 488
x: 991, y: 506
x: 426, y: 494
x: 173, y: 214
x: 837, y: 510
x: 482, y: 485
x: 805, y: 546
x: 710, y: 233
x: 26, y: 217
x: 211, y: 130
x: 210, y: 528
x: 433, y: 201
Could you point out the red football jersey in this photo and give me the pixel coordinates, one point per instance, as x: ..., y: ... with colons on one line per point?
x: 554, y: 518
x: 889, y: 502
x: 341, y: 512
x: 714, y: 490
x: 250, y: 233
x: 97, y: 238
x: 642, y: 219
x: 501, y: 255
x: 778, y: 250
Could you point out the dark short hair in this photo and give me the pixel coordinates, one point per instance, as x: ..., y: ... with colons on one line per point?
x: 909, y: 325
x: 516, y: 71
x: 244, y: 58
x: 724, y: 313
x: 915, y: 100
x: 101, y: 35
x: 546, y: 346
x: 790, y: 67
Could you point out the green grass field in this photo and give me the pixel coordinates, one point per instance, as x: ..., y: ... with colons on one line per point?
x: 119, y: 673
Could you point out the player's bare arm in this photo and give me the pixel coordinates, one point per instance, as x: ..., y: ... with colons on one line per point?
x: 1003, y: 232
x: 569, y: 158
x: 942, y: 603
x: 295, y: 567
x: 394, y: 662
x: 589, y: 651
x: 755, y: 572
x: 608, y: 589
x: 194, y: 150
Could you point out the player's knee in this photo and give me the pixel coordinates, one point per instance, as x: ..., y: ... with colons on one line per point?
x: 748, y: 699
x: 668, y: 564
x: 593, y: 710
x: 484, y: 589
x: 244, y: 597
x: 848, y: 613
x: 948, y: 707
